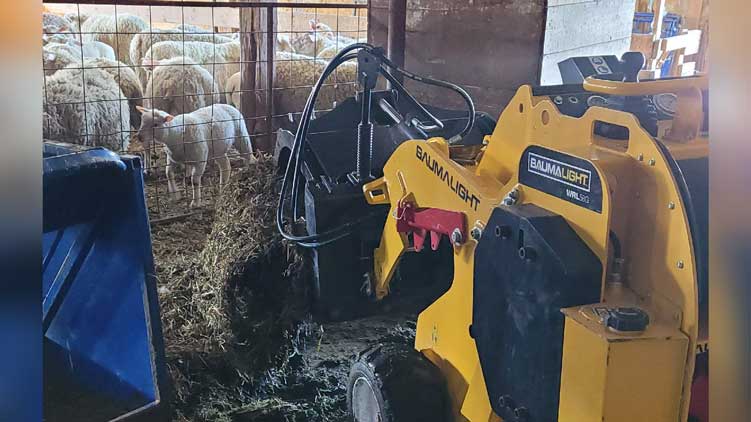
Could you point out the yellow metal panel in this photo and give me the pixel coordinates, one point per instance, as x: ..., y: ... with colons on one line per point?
x: 615, y: 377
x: 582, y: 375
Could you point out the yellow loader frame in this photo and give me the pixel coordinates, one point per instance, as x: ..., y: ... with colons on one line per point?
x: 606, y: 376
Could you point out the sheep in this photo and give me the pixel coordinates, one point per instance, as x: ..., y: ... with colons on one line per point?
x: 102, y: 121
x: 194, y: 138
x: 283, y: 43
x: 329, y: 52
x: 221, y: 60
x: 56, y: 56
x: 114, y: 30
x: 126, y: 79
x: 57, y: 38
x: 195, y: 29
x: 141, y: 43
x: 89, y: 49
x: 295, y: 75
x: 232, y: 89
x: 319, y: 41
x: 180, y: 86
x: 310, y: 44
x: 55, y: 24
x: 77, y: 18
x: 94, y: 49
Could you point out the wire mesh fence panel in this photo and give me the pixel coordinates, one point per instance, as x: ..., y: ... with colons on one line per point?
x: 190, y: 86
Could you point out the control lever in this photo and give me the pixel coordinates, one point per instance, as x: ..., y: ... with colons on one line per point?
x: 632, y: 62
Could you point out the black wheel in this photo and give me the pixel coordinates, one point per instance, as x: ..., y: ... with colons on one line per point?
x: 395, y: 383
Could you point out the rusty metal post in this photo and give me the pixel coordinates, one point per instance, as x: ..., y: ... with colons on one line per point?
x: 270, y: 45
x: 397, y: 38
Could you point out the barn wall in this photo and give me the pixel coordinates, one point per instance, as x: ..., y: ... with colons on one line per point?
x: 490, y: 47
x: 584, y: 28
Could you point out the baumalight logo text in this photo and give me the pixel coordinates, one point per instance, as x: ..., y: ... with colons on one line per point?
x: 559, y: 171
x: 454, y: 184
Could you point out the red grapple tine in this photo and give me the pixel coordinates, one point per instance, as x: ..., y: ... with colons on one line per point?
x: 420, y: 221
x: 418, y: 237
x: 435, y: 240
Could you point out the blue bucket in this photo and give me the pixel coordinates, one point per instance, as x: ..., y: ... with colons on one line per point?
x: 103, y: 345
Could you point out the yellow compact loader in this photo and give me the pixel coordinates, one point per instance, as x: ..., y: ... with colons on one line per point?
x: 579, y: 274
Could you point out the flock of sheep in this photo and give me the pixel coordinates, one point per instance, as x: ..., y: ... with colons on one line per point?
x: 110, y: 76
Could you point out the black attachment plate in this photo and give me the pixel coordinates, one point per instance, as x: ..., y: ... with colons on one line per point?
x: 516, y: 320
x: 333, y: 136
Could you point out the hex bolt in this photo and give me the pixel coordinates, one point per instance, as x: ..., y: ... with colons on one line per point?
x: 506, y: 402
x: 527, y: 253
x: 456, y: 237
x: 680, y: 265
x: 476, y: 233
x: 652, y: 162
x: 671, y: 205
x: 640, y: 157
x: 503, y: 232
x: 514, y: 194
x: 522, y: 414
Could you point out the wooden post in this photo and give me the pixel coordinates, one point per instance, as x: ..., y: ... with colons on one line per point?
x: 702, y: 60
x: 248, y: 58
x: 270, y: 41
x: 397, y: 36
x: 258, y: 26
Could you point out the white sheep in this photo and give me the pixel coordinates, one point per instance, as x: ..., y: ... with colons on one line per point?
x: 77, y: 18
x: 194, y: 138
x: 295, y: 74
x: 232, y: 89
x: 141, y: 43
x: 56, y: 56
x: 55, y: 24
x: 195, y: 29
x: 102, y: 120
x: 320, y: 41
x: 126, y: 79
x: 310, y: 44
x: 115, y: 30
x: 178, y: 86
x: 284, y: 43
x: 221, y: 60
x: 59, y: 38
x: 94, y: 49
x: 88, y: 49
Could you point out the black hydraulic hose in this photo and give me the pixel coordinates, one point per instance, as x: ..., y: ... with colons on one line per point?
x: 443, y: 84
x: 294, y: 164
x: 399, y: 87
x: 297, y: 154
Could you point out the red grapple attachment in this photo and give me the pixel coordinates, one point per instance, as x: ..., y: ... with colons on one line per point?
x: 437, y: 222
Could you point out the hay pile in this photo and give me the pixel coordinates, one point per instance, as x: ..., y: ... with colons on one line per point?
x: 239, y: 341
x: 236, y: 309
